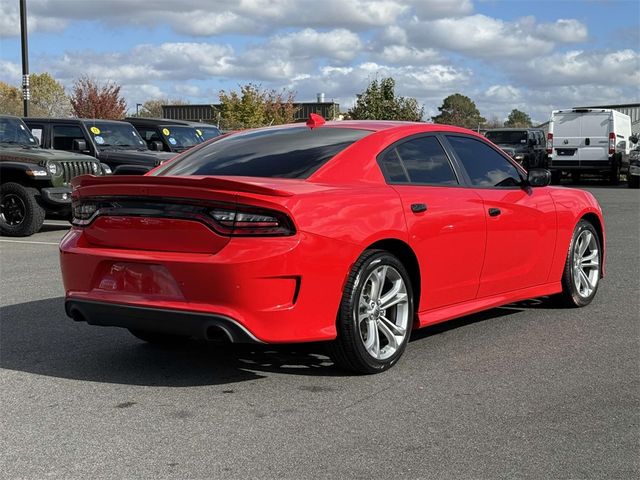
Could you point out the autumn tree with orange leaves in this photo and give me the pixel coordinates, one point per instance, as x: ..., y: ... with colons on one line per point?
x: 90, y: 99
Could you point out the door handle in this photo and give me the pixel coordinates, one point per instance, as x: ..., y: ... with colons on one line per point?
x: 494, y: 212
x: 587, y: 141
x: 418, y: 207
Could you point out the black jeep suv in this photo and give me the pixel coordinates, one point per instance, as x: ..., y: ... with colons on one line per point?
x: 165, y: 135
x: 34, y: 182
x: 113, y: 142
x: 525, y: 145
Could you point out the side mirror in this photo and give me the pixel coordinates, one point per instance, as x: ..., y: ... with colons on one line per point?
x: 634, y: 138
x: 538, y: 177
x: 156, y: 146
x: 78, y: 145
x: 131, y: 170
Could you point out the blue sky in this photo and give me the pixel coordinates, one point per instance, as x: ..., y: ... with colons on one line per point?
x: 531, y: 55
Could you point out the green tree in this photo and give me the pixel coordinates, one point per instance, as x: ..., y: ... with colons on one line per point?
x: 89, y: 99
x: 10, y: 99
x: 153, y: 108
x: 380, y: 102
x: 518, y: 119
x: 459, y: 110
x: 254, y: 107
x: 48, y: 98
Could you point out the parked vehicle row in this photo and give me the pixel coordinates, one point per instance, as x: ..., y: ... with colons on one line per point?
x: 35, y: 182
x: 40, y: 156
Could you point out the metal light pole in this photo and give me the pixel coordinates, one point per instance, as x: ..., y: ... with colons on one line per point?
x: 138, y: 105
x: 26, y: 94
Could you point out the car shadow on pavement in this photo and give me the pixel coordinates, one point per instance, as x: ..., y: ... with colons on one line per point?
x: 37, y: 337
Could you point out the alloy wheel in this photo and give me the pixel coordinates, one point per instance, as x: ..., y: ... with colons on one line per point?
x: 12, y: 209
x: 586, y: 264
x: 382, y: 312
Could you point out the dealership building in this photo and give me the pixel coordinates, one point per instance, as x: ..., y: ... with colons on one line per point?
x: 209, y: 113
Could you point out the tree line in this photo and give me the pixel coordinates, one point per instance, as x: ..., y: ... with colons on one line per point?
x: 251, y: 106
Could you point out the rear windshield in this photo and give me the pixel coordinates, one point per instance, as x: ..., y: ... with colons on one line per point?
x: 289, y: 152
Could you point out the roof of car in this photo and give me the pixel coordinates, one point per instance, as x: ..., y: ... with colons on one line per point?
x: 155, y: 121
x: 512, y: 129
x: 71, y: 119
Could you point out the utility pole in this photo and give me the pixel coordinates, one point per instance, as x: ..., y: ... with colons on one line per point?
x: 26, y: 94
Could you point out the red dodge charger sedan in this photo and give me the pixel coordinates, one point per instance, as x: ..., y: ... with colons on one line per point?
x: 348, y: 232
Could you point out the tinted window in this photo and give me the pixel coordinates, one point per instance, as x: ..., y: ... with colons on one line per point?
x: 64, y: 135
x: 485, y: 166
x: 289, y: 152
x: 425, y: 162
x: 392, y: 167
x: 507, y: 136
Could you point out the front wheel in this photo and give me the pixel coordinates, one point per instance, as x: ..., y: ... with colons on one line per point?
x: 20, y: 213
x: 376, y: 314
x: 581, y: 275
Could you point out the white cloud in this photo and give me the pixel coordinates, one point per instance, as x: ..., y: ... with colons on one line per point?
x: 477, y: 35
x: 10, y: 73
x: 579, y: 67
x: 339, y: 44
x: 563, y: 31
x: 10, y: 21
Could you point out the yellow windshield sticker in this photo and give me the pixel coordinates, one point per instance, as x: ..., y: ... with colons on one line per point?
x: 95, y: 130
x: 199, y: 132
x: 166, y: 131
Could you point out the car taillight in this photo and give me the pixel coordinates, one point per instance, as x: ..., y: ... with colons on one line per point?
x: 612, y: 143
x: 83, y: 212
x: 247, y: 221
x: 549, y: 143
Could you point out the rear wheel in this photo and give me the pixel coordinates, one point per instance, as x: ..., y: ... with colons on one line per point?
x: 158, y: 338
x: 376, y: 314
x: 633, y: 181
x: 581, y: 275
x: 20, y: 213
x: 556, y: 175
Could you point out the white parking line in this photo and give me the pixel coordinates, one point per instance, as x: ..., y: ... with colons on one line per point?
x: 29, y: 241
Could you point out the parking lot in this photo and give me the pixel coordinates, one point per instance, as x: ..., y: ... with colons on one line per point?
x: 527, y: 390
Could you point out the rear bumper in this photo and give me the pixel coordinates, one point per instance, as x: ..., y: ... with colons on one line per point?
x: 276, y: 290
x: 594, y: 165
x: 197, y: 325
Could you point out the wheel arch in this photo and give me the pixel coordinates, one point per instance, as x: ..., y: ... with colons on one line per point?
x: 407, y: 256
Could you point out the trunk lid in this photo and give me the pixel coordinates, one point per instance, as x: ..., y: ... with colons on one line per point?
x: 172, y: 214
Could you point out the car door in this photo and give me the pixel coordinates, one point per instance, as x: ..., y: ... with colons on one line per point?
x: 445, y: 220
x: 520, y: 220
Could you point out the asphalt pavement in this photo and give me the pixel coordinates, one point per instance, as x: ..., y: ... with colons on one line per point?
x: 524, y: 391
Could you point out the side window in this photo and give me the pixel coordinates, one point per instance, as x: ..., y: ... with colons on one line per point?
x: 149, y: 134
x: 421, y: 161
x: 64, y: 135
x: 485, y: 166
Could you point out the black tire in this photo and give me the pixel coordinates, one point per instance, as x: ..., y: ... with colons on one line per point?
x: 614, y: 174
x: 556, y: 175
x: 347, y: 350
x: 633, y: 181
x: 20, y: 213
x: 570, y: 296
x: 575, y: 177
x: 158, y: 338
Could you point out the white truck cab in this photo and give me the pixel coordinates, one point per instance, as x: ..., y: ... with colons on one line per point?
x: 589, y: 140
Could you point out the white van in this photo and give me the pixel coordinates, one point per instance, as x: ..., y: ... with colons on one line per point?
x: 589, y: 140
